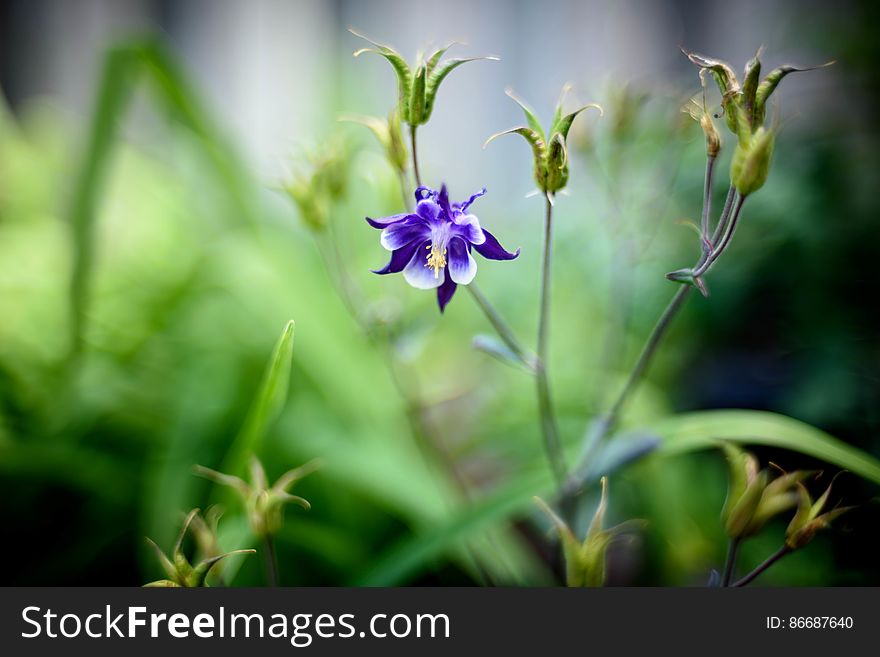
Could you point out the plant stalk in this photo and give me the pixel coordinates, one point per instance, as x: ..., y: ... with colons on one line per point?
x: 772, y: 559
x: 730, y: 562
x: 501, y: 327
x: 271, y: 560
x: 415, y: 157
x: 549, y: 430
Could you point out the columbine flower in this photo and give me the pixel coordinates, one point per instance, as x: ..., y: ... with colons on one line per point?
x: 432, y: 246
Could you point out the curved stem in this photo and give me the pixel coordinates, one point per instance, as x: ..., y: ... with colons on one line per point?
x: 720, y: 247
x: 415, y: 157
x: 730, y: 562
x: 271, y: 560
x: 772, y: 559
x: 501, y: 327
x: 648, y: 351
x: 549, y: 430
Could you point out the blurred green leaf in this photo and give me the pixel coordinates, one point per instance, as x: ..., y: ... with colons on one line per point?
x: 703, y: 429
x: 266, y: 407
x: 410, y: 554
x: 123, y: 66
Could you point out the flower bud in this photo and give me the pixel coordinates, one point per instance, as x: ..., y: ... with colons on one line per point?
x: 585, y: 560
x: 750, y: 164
x: 417, y: 86
x: 752, y: 497
x: 809, y: 518
x: 264, y: 504
x: 550, y: 154
x: 390, y: 136
x: 179, y: 571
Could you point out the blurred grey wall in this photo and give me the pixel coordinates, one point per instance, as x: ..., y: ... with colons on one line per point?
x: 271, y: 68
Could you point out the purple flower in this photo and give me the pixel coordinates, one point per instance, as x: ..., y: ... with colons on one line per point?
x: 432, y: 246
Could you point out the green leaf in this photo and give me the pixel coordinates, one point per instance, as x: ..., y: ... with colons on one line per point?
x: 266, y: 406
x: 434, y: 59
x: 703, y: 429
x: 410, y: 554
x: 771, y: 81
x: 531, y: 117
x: 563, y: 125
x: 124, y: 65
x: 439, y: 74
x: 535, y: 140
x: 494, y: 347
x: 751, y: 75
x: 401, y: 68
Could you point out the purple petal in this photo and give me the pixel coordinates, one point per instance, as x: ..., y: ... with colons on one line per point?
x: 443, y: 200
x: 399, y: 259
x: 386, y: 221
x: 428, y: 209
x: 462, y: 266
x: 464, y: 206
x: 445, y: 292
x: 492, y: 250
x: 418, y: 274
x: 468, y: 226
x: 424, y: 192
x: 402, y: 233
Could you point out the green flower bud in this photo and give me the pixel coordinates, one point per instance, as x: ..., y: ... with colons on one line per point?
x: 550, y: 154
x: 752, y: 497
x: 750, y: 164
x: 264, y: 504
x: 809, y: 518
x: 390, y: 136
x: 585, y: 560
x: 321, y: 181
x: 179, y: 571
x: 417, y: 86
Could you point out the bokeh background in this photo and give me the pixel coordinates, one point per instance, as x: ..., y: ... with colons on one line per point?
x: 200, y: 259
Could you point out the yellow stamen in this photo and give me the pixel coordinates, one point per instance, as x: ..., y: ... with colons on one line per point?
x: 436, y: 258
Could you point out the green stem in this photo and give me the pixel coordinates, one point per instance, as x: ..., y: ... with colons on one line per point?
x: 271, y: 560
x: 707, y: 201
x: 549, y: 430
x: 415, y: 157
x: 501, y: 327
x: 730, y: 562
x: 720, y: 246
x: 772, y: 559
x: 648, y: 351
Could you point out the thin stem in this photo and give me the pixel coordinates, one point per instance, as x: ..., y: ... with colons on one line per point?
x: 730, y: 563
x: 720, y: 247
x: 707, y: 201
x: 772, y: 559
x: 415, y: 157
x: 501, y: 327
x: 552, y: 444
x: 271, y: 560
x: 648, y: 351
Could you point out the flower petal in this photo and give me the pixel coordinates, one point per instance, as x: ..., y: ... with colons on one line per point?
x: 468, y: 226
x: 462, y: 266
x: 428, y: 209
x: 464, y: 206
x: 386, y: 221
x: 443, y: 200
x: 418, y: 274
x: 445, y: 292
x: 402, y: 233
x: 492, y: 250
x: 399, y: 259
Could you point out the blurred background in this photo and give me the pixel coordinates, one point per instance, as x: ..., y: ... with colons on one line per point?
x: 200, y: 258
